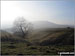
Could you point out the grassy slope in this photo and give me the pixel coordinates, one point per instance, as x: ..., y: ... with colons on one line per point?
x: 53, y: 37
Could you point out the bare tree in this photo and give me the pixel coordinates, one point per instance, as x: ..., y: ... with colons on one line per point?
x: 22, y: 27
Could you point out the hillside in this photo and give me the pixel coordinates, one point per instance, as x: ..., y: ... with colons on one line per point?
x: 39, y: 42
x: 53, y: 37
x: 8, y: 37
x: 56, y: 36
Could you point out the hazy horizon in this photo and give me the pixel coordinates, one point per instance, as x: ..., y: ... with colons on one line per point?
x: 59, y: 12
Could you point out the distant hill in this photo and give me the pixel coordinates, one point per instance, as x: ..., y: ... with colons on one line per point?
x: 10, y: 30
x: 47, y: 24
x: 42, y: 25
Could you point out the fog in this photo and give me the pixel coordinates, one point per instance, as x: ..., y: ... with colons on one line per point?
x: 61, y: 12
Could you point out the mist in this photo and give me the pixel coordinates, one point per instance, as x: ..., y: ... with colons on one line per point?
x: 37, y: 11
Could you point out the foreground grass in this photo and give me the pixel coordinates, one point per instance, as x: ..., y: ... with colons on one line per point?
x: 8, y: 48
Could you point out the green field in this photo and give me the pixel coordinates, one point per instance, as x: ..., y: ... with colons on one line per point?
x: 23, y: 49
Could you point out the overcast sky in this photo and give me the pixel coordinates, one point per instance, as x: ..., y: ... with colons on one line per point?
x: 59, y: 12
